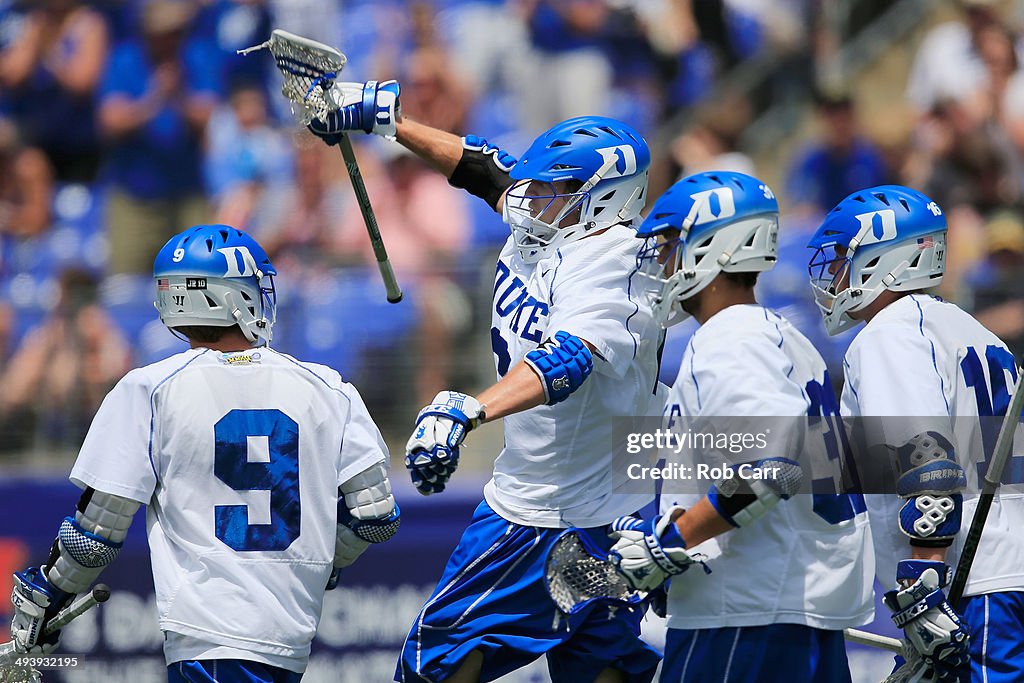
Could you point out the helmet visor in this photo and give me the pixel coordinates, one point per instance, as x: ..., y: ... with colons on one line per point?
x: 829, y: 271
x: 557, y: 205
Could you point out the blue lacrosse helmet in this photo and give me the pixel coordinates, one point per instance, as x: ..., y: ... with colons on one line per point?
x: 888, y: 237
x: 216, y: 275
x: 584, y: 174
x: 706, y: 224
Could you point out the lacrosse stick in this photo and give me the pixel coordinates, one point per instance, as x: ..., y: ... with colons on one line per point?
x: 78, y: 607
x: 309, y: 69
x: 855, y: 635
x: 993, y: 477
x: 575, y: 573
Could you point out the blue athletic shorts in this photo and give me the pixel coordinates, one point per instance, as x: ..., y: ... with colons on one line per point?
x: 996, y: 621
x: 492, y: 598
x: 777, y: 653
x: 228, y: 671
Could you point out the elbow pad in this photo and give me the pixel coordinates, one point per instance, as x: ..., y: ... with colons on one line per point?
x: 367, y: 513
x: 751, y: 490
x: 89, y: 541
x: 562, y: 365
x: 931, y: 482
x: 483, y: 170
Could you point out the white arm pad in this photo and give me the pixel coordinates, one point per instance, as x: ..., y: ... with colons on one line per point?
x: 367, y: 495
x: 108, y: 517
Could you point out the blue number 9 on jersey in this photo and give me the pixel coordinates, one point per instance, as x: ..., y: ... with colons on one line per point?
x: 258, y: 450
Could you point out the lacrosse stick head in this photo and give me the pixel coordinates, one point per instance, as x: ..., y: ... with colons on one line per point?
x: 913, y: 669
x: 309, y: 69
x: 576, y: 573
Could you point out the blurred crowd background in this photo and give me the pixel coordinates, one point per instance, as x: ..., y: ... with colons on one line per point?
x: 125, y: 121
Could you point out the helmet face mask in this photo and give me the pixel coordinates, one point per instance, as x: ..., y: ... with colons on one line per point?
x: 217, y: 276
x: 582, y: 175
x: 829, y: 270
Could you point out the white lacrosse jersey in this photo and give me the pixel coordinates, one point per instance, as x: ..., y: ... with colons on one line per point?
x: 807, y: 560
x: 556, y: 467
x: 921, y: 356
x: 238, y: 457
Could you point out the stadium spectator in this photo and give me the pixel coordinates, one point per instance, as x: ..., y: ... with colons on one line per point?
x: 298, y: 223
x: 244, y: 151
x: 948, y: 64
x: 51, y: 70
x: 839, y: 162
x: 63, y: 368
x: 428, y: 229
x: 567, y: 40
x: 231, y: 25
x: 998, y: 288
x: 432, y: 88
x: 156, y: 99
x: 26, y: 187
x: 710, y: 144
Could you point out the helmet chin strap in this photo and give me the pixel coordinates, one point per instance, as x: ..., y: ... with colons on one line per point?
x: 895, y: 273
x: 236, y: 313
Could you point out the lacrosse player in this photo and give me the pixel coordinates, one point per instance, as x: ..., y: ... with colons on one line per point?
x: 574, y: 345
x: 786, y: 580
x: 918, y: 356
x: 259, y: 472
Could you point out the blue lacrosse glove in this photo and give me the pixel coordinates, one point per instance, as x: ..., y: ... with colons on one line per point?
x: 648, y: 552
x: 432, y: 453
x: 35, y: 601
x: 371, y: 107
x: 930, y: 625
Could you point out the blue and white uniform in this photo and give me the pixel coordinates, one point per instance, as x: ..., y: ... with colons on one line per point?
x: 783, y: 588
x: 238, y: 458
x: 554, y: 472
x: 920, y: 356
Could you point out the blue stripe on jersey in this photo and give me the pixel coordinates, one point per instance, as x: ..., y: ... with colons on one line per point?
x: 692, y: 375
x: 782, y: 338
x: 920, y: 327
x: 636, y: 307
x: 846, y: 372
x: 551, y: 287
x: 310, y: 371
x: 152, y: 410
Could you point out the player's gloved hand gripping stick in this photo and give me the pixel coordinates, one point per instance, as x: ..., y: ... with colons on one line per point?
x: 78, y: 607
x: 310, y: 69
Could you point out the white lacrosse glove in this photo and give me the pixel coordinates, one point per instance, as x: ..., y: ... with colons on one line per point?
x: 648, y: 552
x: 35, y: 602
x: 932, y: 628
x: 432, y: 453
x: 371, y: 107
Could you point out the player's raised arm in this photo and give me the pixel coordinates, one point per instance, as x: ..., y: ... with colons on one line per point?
x: 469, y: 163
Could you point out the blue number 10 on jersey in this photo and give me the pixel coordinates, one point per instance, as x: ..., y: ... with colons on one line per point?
x: 258, y: 450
